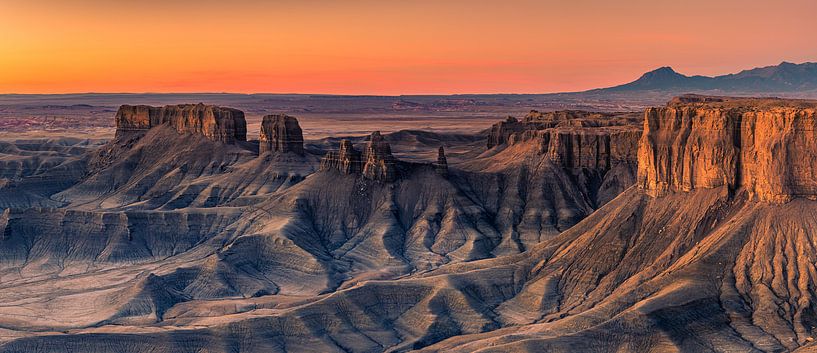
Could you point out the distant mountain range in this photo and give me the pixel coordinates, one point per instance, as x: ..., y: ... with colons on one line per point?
x: 786, y: 77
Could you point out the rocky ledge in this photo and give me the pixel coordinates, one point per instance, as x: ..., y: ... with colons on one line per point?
x: 375, y: 163
x: 766, y: 146
x: 280, y: 133
x: 213, y: 122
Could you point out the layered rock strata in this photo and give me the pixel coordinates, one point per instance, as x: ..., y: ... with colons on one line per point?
x: 500, y: 131
x: 281, y: 133
x: 766, y: 146
x: 215, y: 123
x: 512, y: 130
x: 375, y: 163
x: 574, y: 139
x: 593, y: 149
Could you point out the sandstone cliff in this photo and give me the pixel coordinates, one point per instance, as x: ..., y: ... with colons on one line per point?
x: 766, y: 146
x: 216, y: 123
x: 281, y: 133
x: 594, y: 149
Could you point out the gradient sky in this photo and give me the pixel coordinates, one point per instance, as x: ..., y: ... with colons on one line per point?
x: 387, y: 47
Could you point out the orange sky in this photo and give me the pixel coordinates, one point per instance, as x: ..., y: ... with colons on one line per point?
x: 386, y: 47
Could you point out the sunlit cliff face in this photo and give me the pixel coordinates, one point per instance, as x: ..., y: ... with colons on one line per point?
x: 385, y: 47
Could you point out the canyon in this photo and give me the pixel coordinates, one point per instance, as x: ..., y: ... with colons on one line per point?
x: 684, y: 227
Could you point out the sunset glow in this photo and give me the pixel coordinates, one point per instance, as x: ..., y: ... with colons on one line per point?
x: 386, y: 47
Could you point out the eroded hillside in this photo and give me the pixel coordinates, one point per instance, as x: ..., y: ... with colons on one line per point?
x: 502, y: 250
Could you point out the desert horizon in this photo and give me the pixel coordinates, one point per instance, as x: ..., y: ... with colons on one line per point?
x: 399, y: 94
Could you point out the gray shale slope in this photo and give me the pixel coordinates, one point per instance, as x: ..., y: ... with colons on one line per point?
x: 572, y: 231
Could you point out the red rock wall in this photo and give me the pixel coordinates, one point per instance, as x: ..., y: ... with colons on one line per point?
x: 768, y: 147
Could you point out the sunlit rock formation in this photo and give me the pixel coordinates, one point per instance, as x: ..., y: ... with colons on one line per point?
x: 216, y: 123
x: 281, y: 133
x: 379, y: 164
x: 767, y: 146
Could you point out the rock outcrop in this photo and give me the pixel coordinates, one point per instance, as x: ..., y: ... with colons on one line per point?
x: 574, y: 139
x: 281, y: 133
x: 590, y: 148
x: 513, y: 130
x: 598, y: 151
x: 345, y: 160
x: 500, y: 131
x: 441, y: 166
x: 767, y: 146
x: 213, y: 122
x: 375, y: 163
x: 378, y: 162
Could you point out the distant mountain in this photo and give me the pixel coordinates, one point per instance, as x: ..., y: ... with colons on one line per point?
x: 786, y: 77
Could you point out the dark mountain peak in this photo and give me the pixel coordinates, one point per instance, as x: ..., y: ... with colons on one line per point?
x: 664, y: 70
x: 659, y: 79
x: 661, y: 74
x: 785, y: 77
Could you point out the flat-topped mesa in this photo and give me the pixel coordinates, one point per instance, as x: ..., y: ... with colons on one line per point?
x: 280, y: 133
x: 345, y: 160
x: 441, y: 166
x: 213, y: 122
x: 378, y: 162
x: 766, y: 146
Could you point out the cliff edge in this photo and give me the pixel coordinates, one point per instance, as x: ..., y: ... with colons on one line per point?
x: 281, y: 133
x: 766, y: 146
x: 213, y: 122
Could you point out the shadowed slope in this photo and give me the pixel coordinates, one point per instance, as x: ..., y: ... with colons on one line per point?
x: 163, y: 169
